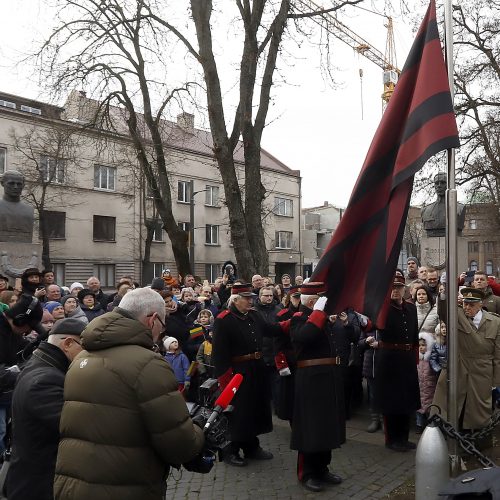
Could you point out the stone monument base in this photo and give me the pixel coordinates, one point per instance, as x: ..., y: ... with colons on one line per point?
x: 433, y: 252
x: 16, y: 257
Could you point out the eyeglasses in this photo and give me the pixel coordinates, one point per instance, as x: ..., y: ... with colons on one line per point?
x: 158, y: 318
x: 73, y: 339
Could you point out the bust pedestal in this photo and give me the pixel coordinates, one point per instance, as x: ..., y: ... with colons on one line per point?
x: 16, y: 257
x: 433, y: 252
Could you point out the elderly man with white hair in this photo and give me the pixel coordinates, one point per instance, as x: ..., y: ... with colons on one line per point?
x: 124, y: 421
x: 94, y: 285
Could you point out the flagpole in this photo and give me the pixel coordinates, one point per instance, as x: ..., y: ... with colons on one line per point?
x: 451, y: 258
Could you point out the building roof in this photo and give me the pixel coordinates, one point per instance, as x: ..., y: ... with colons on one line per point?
x: 31, y: 106
x: 181, y: 134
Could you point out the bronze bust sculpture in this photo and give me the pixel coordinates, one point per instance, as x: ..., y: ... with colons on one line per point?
x: 434, y: 215
x: 16, y: 217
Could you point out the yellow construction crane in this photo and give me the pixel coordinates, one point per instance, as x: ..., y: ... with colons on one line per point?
x: 339, y: 30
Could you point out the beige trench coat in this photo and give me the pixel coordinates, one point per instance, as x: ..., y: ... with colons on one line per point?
x: 478, y: 370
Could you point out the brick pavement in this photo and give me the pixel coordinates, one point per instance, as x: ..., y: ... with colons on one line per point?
x: 368, y: 468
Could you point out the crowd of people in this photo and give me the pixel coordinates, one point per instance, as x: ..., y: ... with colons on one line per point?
x: 143, y: 351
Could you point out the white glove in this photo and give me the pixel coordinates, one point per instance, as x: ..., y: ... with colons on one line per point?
x: 285, y: 372
x: 14, y: 369
x: 320, y: 304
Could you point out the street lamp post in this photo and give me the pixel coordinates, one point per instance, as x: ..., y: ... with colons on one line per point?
x: 191, y: 223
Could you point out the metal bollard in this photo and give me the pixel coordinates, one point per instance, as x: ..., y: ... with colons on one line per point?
x: 431, y: 464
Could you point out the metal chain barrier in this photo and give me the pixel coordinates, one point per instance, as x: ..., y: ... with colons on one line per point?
x: 466, y: 440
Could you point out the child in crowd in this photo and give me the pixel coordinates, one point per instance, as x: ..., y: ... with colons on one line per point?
x: 178, y: 361
x: 204, y: 354
x: 426, y: 378
x: 439, y: 354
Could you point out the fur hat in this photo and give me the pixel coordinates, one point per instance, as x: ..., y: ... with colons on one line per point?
x: 167, y: 341
x: 83, y: 293
x: 429, y: 343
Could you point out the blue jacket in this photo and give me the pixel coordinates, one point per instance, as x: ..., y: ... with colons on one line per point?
x: 180, y: 364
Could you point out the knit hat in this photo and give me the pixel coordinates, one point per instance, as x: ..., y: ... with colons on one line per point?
x: 167, y: 341
x: 68, y: 326
x: 50, y: 306
x: 66, y: 297
x: 47, y: 316
x: 158, y: 284
x: 414, y: 259
x: 74, y: 285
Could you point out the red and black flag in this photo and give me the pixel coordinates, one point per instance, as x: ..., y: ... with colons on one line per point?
x: 359, y: 263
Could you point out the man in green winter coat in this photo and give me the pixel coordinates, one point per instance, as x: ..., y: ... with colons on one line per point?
x: 124, y: 421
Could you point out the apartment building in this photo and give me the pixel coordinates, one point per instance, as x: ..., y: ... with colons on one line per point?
x: 97, y: 206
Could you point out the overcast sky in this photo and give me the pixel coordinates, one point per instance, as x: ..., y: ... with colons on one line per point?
x: 313, y: 127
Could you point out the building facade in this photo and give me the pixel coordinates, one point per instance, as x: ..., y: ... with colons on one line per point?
x: 318, y: 225
x: 96, y: 205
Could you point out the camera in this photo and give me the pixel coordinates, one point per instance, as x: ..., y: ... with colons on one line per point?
x: 217, y: 436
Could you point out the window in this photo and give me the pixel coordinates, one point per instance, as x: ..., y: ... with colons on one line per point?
x: 3, y: 160
x: 104, y: 177
x: 212, y: 271
x: 212, y: 235
x: 283, y: 206
x: 212, y: 196
x: 158, y: 231
x: 106, y: 274
x: 489, y: 247
x: 472, y: 224
x: 473, y: 246
x: 185, y: 226
x: 52, y: 170
x: 7, y: 104
x: 473, y: 265
x: 29, y: 109
x: 104, y: 228
x: 59, y: 273
x: 55, y: 222
x: 158, y: 268
x: 284, y: 239
x: 489, y: 267
x: 184, y: 191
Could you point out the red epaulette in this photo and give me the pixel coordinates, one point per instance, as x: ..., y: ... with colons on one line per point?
x: 223, y: 314
x: 283, y: 311
x: 297, y: 314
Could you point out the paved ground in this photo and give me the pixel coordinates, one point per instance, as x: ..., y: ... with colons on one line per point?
x: 368, y: 468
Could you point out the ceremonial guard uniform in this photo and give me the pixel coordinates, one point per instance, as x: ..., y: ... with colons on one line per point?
x: 237, y: 348
x: 397, y: 394
x: 318, y: 424
x: 285, y: 358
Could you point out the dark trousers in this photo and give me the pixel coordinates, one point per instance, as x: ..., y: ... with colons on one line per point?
x: 313, y: 465
x: 246, y: 446
x: 397, y: 428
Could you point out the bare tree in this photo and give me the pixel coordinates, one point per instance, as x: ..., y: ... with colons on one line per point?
x: 263, y: 23
x: 477, y: 82
x: 48, y: 159
x: 111, y: 46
